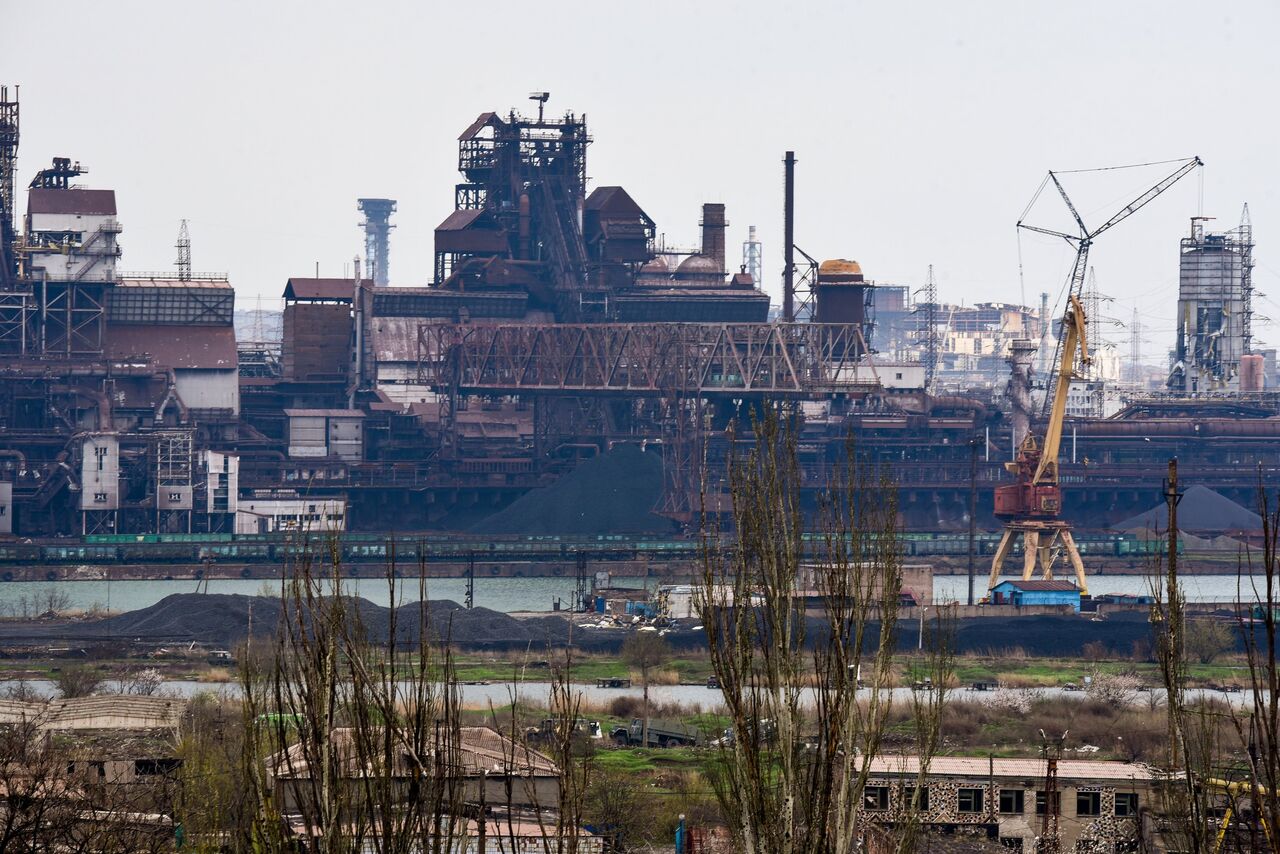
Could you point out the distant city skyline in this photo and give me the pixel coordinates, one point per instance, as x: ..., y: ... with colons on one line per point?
x: 920, y: 134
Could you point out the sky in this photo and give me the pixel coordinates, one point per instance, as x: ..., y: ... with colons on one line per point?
x: 921, y: 129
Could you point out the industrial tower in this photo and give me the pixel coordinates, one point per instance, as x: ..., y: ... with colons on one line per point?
x: 752, y: 256
x: 377, y: 238
x: 8, y: 163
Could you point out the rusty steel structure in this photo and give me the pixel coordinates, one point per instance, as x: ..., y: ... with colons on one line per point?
x: 782, y: 360
x: 560, y: 324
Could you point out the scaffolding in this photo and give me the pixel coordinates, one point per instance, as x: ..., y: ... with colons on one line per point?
x: 174, y: 481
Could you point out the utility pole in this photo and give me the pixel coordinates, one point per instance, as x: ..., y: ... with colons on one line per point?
x: 973, y: 507
x: 1051, y: 751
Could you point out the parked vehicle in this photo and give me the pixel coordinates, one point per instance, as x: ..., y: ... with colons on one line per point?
x: 582, y: 729
x: 661, y: 734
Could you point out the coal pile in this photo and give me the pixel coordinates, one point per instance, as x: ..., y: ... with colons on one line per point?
x: 1201, y: 509
x: 614, y: 493
x: 226, y: 619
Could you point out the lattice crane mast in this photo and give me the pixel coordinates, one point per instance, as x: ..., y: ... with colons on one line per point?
x: 1031, y: 507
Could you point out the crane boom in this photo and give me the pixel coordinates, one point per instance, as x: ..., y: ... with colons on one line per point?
x: 1073, y: 330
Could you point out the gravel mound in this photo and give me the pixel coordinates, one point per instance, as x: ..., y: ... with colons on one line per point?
x: 613, y: 493
x: 1201, y: 509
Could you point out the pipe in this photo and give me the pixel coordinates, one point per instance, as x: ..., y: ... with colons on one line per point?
x: 17, y: 455
x: 170, y: 394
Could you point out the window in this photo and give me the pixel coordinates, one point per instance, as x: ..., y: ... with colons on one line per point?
x: 909, y: 792
x: 100, y: 498
x: 1088, y: 803
x: 969, y: 800
x: 876, y: 797
x: 1013, y: 843
x: 898, y: 375
x: 1011, y: 801
x: 175, y: 497
x: 1126, y: 804
x: 153, y: 767
x: 1040, y: 800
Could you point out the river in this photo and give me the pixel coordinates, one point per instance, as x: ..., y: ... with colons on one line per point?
x: 695, y: 698
x: 502, y: 594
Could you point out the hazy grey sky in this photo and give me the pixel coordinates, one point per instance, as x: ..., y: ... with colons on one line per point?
x: 921, y: 128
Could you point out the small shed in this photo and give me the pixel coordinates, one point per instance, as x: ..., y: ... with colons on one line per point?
x: 1024, y: 593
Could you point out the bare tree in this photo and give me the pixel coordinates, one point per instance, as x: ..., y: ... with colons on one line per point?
x: 645, y: 651
x: 792, y: 777
x: 351, y: 736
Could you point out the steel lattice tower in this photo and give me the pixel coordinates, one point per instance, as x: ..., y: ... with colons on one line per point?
x: 377, y: 238
x: 184, y: 253
x: 927, y: 327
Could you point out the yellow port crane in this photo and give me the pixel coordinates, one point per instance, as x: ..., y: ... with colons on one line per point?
x: 1031, y: 507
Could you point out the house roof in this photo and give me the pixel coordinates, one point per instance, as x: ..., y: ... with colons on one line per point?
x: 480, y: 749
x: 981, y: 766
x: 96, y: 713
x: 320, y: 289
x: 191, y: 347
x: 52, y: 200
x: 1039, y: 586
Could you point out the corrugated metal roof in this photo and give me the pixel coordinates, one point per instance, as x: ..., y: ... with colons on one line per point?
x: 326, y: 289
x: 50, y: 200
x: 482, y: 121
x: 135, y: 281
x: 981, y: 766
x: 200, y: 347
x: 323, y: 413
x: 459, y: 220
x: 1041, y: 586
x: 613, y: 200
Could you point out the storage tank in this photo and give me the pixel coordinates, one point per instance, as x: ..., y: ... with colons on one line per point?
x: 1252, y: 369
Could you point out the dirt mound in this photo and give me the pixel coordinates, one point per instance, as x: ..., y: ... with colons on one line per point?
x: 612, y: 493
x: 1201, y: 509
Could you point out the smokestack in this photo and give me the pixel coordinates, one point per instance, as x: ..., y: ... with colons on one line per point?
x: 713, y: 225
x: 788, y: 240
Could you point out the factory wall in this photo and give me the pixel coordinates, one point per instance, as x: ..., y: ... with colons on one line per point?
x: 317, y: 341
x: 200, y: 389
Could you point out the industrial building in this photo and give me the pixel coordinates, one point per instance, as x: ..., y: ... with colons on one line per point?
x: 558, y: 326
x: 1215, y: 293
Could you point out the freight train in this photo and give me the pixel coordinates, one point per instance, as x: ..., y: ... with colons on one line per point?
x: 443, y: 548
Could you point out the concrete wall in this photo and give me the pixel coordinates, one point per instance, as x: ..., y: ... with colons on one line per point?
x: 289, y: 514
x: 1104, y: 829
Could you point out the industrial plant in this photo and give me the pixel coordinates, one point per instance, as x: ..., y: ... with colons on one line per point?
x: 559, y: 329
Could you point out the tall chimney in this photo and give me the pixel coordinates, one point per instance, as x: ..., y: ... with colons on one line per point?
x: 713, y: 233
x: 788, y: 239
